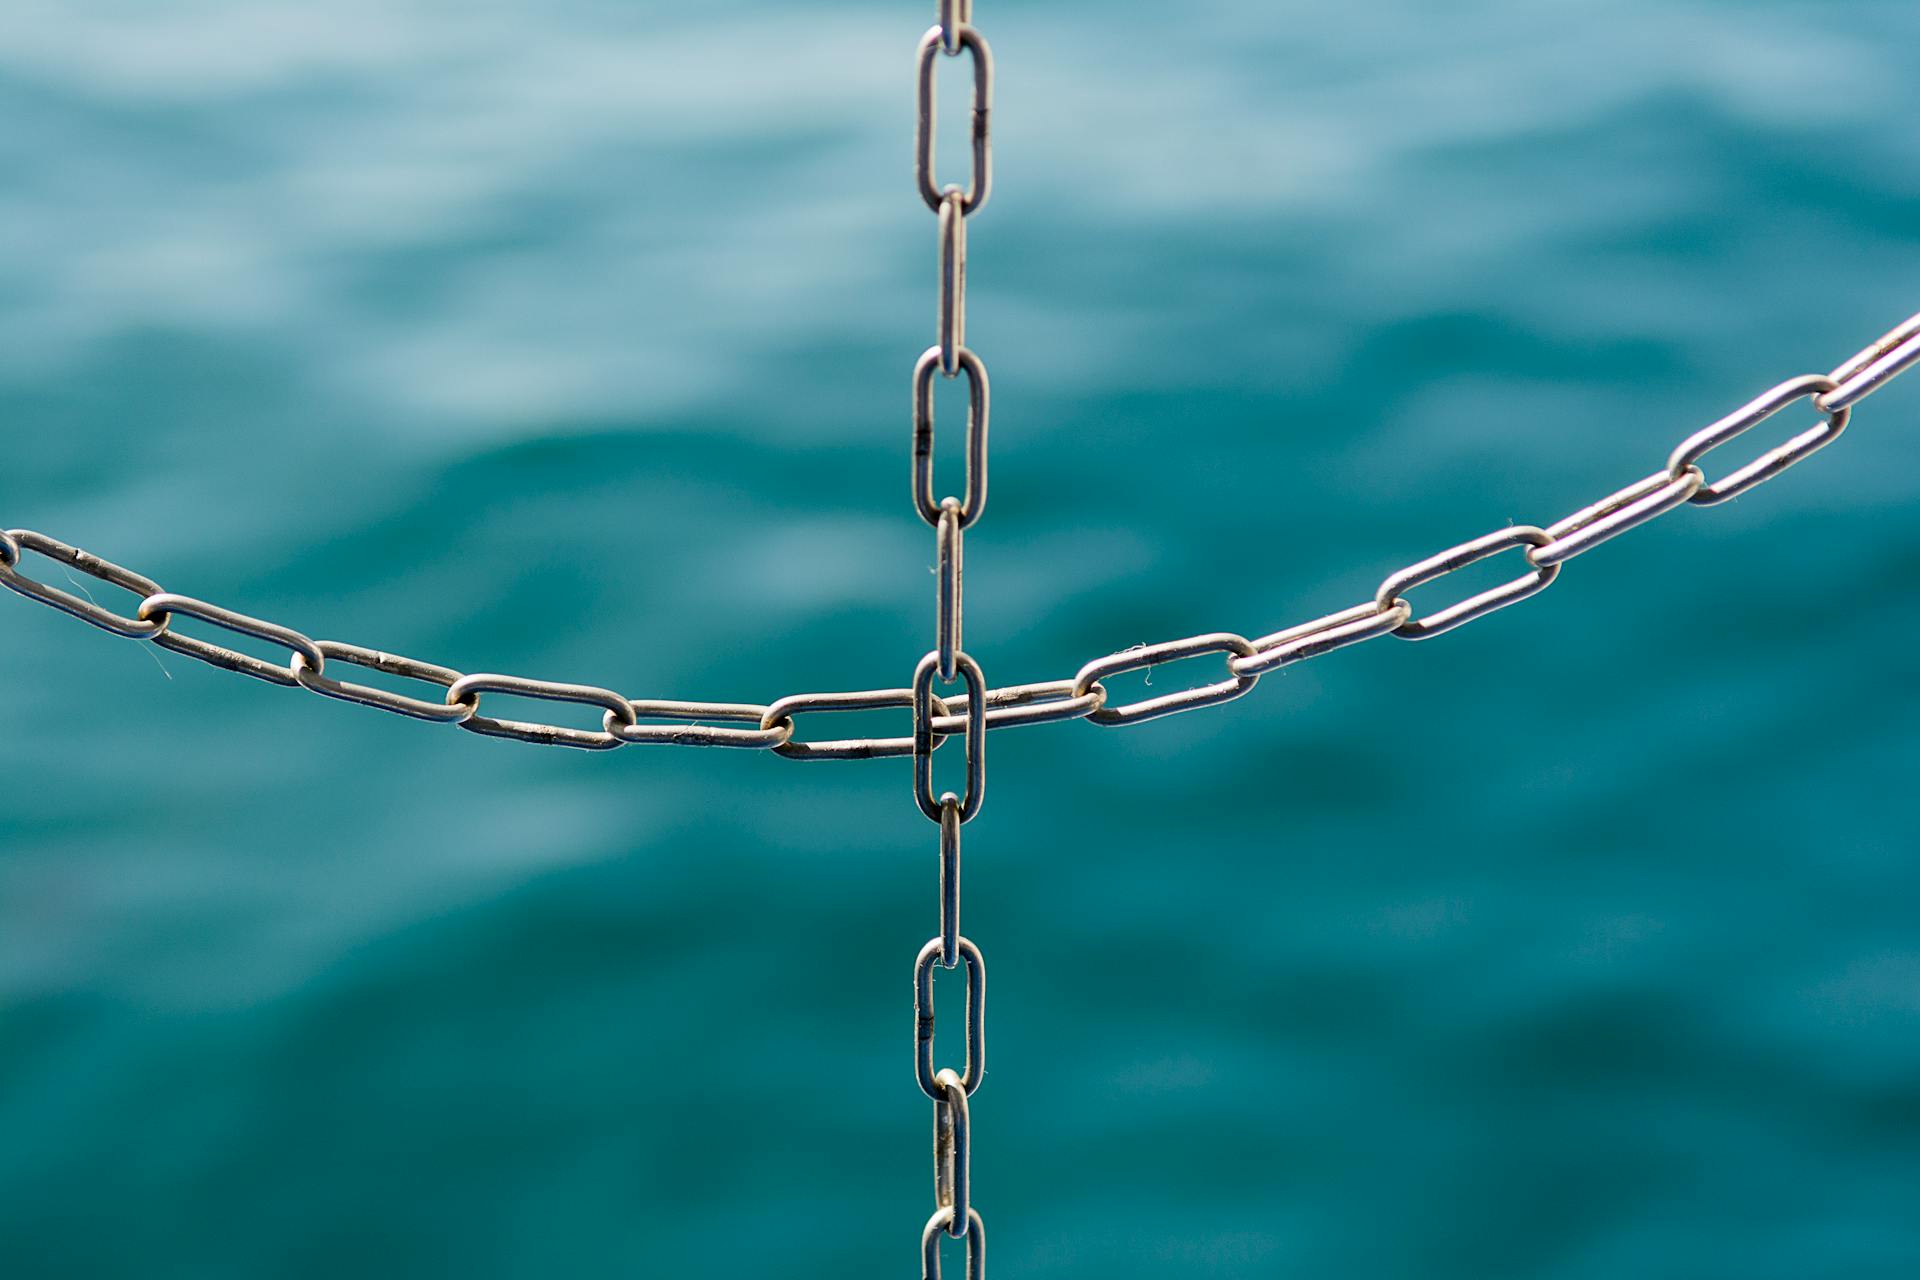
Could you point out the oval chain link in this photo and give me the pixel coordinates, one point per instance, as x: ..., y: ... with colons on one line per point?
x: 1745, y: 418
x: 924, y: 739
x: 979, y: 405
x: 162, y: 606
x: 616, y: 710
x: 14, y: 541
x: 692, y: 732
x: 1456, y: 558
x: 783, y: 710
x: 393, y: 665
x: 932, y: 45
x: 1150, y: 655
x: 923, y: 1019
x: 953, y: 279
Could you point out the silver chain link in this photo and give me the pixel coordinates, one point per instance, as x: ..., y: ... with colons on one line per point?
x: 1681, y: 482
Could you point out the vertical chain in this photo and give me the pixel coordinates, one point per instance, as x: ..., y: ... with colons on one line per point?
x: 952, y: 36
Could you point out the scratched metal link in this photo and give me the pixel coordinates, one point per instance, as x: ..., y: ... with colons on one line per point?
x: 953, y: 279
x: 14, y: 541
x: 692, y: 731
x: 164, y: 606
x: 438, y: 711
x: 784, y: 709
x: 979, y: 407
x: 924, y: 740
x: 932, y: 46
x: 923, y: 1018
x: 768, y: 727
x: 617, y: 711
x: 953, y: 1152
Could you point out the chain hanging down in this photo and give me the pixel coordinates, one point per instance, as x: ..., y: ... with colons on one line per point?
x: 954, y: 1215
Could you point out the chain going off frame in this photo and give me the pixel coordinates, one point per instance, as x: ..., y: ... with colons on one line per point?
x: 1681, y: 481
x: 952, y: 36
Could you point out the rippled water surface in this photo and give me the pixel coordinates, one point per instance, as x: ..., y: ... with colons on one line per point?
x: 572, y: 339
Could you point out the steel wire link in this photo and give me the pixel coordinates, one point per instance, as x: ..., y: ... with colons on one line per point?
x: 1681, y: 482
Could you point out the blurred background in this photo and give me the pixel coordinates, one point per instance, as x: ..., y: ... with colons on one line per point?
x: 572, y: 339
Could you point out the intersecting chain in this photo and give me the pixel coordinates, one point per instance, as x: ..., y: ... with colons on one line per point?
x: 952, y: 36
x: 314, y: 664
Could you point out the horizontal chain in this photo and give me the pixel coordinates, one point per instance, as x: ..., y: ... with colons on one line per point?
x: 156, y: 614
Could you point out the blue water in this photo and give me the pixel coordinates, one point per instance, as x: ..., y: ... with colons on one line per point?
x: 572, y: 339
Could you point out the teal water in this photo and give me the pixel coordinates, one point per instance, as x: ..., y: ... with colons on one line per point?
x: 572, y: 339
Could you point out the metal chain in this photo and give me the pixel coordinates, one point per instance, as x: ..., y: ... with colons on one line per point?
x: 1681, y: 482
x: 953, y: 1215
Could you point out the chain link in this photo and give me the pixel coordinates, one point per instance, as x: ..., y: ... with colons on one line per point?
x: 953, y: 1154
x: 953, y: 279
x: 1150, y: 655
x: 960, y: 34
x: 1680, y: 483
x: 693, y: 733
x: 13, y: 543
x: 393, y: 665
x: 783, y: 710
x: 1322, y: 635
x: 923, y: 1019
x: 1616, y: 513
x: 1455, y: 558
x: 1873, y: 366
x: 616, y: 711
x: 979, y: 402
x: 950, y: 821
x: 941, y: 1223
x: 949, y: 538
x: 975, y: 734
x: 1744, y: 419
x: 1017, y: 704
x: 162, y: 607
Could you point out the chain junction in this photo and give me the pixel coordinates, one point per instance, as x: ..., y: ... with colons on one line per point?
x: 314, y: 664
